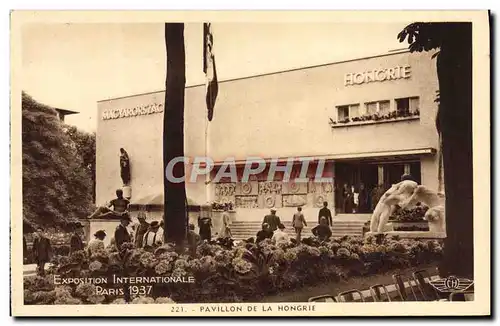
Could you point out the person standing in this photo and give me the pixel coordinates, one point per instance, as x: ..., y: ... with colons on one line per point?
x: 263, y: 234
x: 225, y: 230
x: 141, y: 229
x: 355, y: 199
x: 42, y: 250
x: 96, y: 244
x: 298, y: 223
x: 121, y: 232
x: 326, y: 213
x: 339, y: 199
x: 76, y: 242
x: 363, y: 199
x: 272, y: 220
x: 205, y: 226
x: 153, y: 237
x: 193, y: 239
x: 348, y: 200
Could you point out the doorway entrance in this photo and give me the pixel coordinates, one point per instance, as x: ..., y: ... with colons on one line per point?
x: 360, y: 184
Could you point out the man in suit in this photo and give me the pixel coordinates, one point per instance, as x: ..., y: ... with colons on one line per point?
x: 121, y: 232
x: 42, y: 250
x: 326, y: 213
x: 153, y: 237
x: 272, y: 220
x: 76, y: 242
x: 141, y: 229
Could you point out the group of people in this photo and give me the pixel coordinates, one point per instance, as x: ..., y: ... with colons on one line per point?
x: 41, y: 250
x: 357, y: 199
x: 205, y: 226
x: 273, y: 229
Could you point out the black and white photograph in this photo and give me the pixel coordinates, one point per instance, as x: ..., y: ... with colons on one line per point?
x: 262, y: 167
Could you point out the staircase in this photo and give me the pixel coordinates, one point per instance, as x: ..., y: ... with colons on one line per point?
x: 345, y: 227
x: 242, y: 230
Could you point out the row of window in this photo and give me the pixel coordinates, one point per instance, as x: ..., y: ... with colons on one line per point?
x: 401, y: 105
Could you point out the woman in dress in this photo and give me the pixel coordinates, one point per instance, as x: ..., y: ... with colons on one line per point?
x: 96, y: 244
x: 225, y: 231
x: 205, y: 226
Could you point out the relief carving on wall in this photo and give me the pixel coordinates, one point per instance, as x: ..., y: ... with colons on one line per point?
x: 319, y: 199
x: 224, y: 192
x: 327, y: 187
x: 246, y: 202
x: 246, y: 188
x: 225, y: 189
x: 322, y: 191
x: 294, y: 187
x: 311, y: 187
x: 270, y: 187
x: 294, y: 200
x: 269, y: 201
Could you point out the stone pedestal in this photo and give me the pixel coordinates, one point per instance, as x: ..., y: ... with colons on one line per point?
x: 127, y: 192
x: 387, y: 228
x: 412, y: 234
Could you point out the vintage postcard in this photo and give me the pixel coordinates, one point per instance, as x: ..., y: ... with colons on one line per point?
x: 250, y: 163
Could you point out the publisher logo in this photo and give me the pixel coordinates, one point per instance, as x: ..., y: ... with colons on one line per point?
x: 452, y: 284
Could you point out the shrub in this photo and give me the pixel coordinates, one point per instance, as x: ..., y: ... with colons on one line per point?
x: 246, y: 272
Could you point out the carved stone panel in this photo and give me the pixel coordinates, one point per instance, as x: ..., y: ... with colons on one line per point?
x: 270, y: 187
x: 295, y: 188
x: 247, y: 188
x: 246, y: 202
x: 224, y: 192
x: 294, y: 200
x: 321, y: 192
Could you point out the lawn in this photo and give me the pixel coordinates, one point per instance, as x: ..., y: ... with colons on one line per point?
x: 360, y: 283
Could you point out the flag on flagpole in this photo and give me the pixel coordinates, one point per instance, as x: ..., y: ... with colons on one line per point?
x: 209, y: 69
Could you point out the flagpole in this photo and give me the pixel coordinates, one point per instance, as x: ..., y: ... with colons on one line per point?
x: 207, y: 151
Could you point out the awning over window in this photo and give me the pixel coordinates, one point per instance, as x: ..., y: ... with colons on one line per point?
x: 391, y: 154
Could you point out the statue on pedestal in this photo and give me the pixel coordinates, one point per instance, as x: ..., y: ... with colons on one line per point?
x: 124, y: 167
x: 119, y: 204
x: 396, y: 195
x: 435, y: 215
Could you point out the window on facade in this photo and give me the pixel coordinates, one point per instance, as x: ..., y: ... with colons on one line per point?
x: 347, y: 111
x: 407, y: 104
x: 380, y: 107
x: 342, y: 112
x: 384, y: 107
x: 371, y: 108
x: 414, y: 104
x: 354, y: 110
x: 403, y: 105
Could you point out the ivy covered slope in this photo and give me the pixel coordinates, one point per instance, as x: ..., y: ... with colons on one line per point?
x: 57, y: 187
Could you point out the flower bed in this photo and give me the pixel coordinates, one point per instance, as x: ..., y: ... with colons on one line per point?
x: 409, y: 215
x: 226, y: 273
x: 377, y: 117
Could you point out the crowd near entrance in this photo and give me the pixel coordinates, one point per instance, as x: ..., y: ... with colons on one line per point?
x: 360, y: 184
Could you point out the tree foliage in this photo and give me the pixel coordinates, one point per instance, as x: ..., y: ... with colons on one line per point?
x: 57, y: 189
x: 84, y: 144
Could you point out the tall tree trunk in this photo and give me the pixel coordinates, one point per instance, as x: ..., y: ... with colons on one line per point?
x: 454, y: 68
x: 173, y: 134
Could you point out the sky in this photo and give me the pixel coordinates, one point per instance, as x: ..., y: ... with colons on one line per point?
x: 72, y: 66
